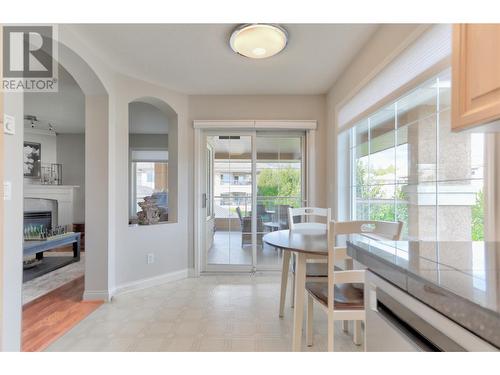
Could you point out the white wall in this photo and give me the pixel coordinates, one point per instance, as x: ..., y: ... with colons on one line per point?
x: 48, y: 145
x: 71, y: 154
x: 387, y: 42
x: 145, y: 118
x: 168, y: 241
x: 48, y: 148
x: 100, y: 273
x: 10, y: 325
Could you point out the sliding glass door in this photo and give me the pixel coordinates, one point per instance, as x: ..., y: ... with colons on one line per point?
x: 251, y: 179
x: 231, y: 190
x: 280, y: 185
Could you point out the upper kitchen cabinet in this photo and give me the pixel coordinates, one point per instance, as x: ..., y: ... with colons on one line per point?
x: 476, y: 75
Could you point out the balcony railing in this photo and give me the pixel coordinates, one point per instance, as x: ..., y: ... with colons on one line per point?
x: 268, y: 207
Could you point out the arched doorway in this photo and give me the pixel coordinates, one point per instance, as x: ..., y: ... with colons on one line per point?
x: 98, y: 270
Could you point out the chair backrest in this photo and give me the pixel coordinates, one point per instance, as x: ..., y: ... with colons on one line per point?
x: 281, y: 215
x: 304, y: 212
x: 390, y: 230
x: 261, y: 209
x: 238, y: 211
x: 371, y: 228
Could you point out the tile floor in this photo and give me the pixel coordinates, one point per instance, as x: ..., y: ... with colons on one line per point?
x: 210, y: 313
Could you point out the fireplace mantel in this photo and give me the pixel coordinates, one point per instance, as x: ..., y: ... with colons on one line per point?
x: 63, y: 194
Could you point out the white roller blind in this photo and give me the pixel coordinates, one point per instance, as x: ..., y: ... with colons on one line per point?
x: 430, y: 48
x: 149, y: 156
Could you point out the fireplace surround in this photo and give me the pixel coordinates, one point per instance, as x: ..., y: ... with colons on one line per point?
x: 40, y: 211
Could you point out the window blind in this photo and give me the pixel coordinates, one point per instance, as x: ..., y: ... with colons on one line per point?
x: 149, y: 156
x: 430, y: 48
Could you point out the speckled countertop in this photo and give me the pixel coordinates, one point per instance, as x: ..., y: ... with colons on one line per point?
x: 461, y: 280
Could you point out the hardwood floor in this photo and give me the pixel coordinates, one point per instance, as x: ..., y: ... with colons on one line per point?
x: 48, y: 317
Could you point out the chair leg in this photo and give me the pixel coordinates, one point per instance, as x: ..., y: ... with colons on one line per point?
x: 364, y: 337
x: 284, y: 281
x: 331, y: 332
x: 349, y: 265
x: 357, y: 331
x: 298, y: 313
x: 345, y: 326
x: 310, y: 319
x: 294, y: 263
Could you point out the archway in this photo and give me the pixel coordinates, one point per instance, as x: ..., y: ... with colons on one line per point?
x: 99, y: 280
x: 153, y: 143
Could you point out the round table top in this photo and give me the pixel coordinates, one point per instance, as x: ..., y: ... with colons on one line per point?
x: 310, y: 240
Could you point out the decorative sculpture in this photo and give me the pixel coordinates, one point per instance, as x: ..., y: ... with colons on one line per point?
x: 150, y: 213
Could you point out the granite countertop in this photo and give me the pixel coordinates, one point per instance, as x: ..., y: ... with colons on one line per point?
x: 461, y: 280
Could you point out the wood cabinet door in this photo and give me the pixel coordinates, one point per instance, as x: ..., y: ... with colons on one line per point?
x: 476, y: 75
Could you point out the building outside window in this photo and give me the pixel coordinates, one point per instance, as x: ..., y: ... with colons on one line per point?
x: 151, y: 178
x: 149, y: 172
x: 406, y: 164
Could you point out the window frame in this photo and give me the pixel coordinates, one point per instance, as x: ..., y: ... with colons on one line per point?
x: 347, y: 150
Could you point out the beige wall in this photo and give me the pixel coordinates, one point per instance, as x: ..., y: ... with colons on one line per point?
x: 71, y: 154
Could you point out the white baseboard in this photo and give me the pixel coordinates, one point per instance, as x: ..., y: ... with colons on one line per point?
x: 97, y: 295
x: 192, y: 272
x: 151, y: 281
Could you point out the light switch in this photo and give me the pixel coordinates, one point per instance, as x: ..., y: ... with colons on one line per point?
x: 7, y: 191
x: 9, y: 124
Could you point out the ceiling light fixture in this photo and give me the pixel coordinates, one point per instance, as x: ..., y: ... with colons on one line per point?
x: 32, y: 119
x: 258, y: 40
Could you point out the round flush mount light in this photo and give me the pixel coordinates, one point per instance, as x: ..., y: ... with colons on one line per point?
x: 258, y: 41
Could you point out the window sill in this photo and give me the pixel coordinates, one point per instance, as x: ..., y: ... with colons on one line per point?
x: 152, y: 225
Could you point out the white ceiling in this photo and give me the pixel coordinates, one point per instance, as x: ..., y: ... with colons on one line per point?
x: 197, y: 59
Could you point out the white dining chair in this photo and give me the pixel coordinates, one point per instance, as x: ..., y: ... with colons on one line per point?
x: 305, y: 213
x: 316, y: 267
x: 338, y: 297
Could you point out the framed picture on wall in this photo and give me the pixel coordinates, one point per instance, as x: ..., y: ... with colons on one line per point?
x: 32, y: 159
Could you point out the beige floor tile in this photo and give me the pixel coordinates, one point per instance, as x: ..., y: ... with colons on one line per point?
x: 210, y: 313
x: 244, y: 328
x: 208, y: 344
x: 158, y: 329
x: 188, y: 328
x: 149, y: 344
x: 273, y: 344
x: 243, y: 344
x: 182, y: 344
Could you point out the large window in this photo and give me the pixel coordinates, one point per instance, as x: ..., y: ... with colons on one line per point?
x: 406, y: 164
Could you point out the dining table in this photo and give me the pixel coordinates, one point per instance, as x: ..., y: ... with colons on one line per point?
x: 306, y: 242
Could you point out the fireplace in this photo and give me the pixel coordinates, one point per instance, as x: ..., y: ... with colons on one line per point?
x: 38, y: 219
x: 40, y: 212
